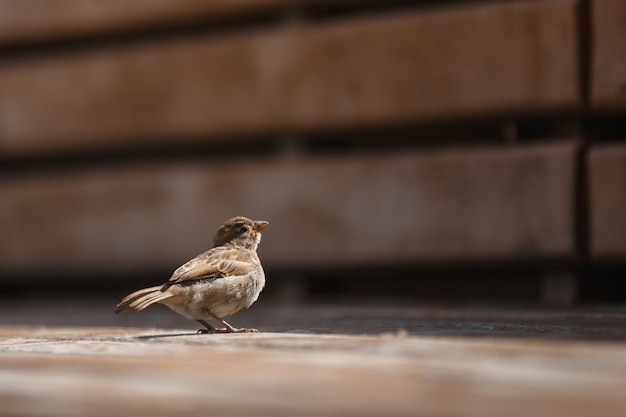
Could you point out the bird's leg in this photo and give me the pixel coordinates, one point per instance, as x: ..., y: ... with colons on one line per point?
x: 230, y: 329
x: 209, y: 328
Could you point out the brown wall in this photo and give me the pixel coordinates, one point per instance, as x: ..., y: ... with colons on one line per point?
x: 365, y: 132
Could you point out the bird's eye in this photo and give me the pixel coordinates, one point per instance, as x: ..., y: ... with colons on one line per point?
x: 243, y: 229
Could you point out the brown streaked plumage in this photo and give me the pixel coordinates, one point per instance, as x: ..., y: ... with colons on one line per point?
x: 215, y: 284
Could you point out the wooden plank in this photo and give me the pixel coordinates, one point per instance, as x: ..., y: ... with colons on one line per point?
x: 103, y: 372
x: 608, y: 84
x: 607, y: 183
x: 419, y: 66
x: 481, y: 205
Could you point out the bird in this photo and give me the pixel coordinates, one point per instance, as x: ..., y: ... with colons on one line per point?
x: 215, y: 284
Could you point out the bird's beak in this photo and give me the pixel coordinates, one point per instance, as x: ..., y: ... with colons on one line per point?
x: 260, y: 225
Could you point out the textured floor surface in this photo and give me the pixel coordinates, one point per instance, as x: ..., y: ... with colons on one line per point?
x: 64, y: 359
x: 77, y: 371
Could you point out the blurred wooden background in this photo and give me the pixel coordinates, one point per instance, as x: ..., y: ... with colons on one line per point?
x: 391, y: 144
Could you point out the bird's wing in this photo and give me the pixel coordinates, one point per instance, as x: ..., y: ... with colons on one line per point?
x: 212, y: 264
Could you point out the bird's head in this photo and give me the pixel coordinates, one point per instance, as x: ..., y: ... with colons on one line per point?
x: 240, y: 232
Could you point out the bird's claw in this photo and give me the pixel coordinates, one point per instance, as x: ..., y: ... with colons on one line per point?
x: 227, y: 330
x: 245, y: 330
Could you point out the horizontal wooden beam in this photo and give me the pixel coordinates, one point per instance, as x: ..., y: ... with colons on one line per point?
x: 486, y: 59
x: 493, y: 204
x: 607, y: 173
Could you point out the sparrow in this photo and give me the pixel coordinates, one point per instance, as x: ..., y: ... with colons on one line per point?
x: 215, y: 284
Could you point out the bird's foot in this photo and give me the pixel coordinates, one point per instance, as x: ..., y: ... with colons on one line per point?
x: 227, y: 327
x: 227, y: 330
x: 243, y: 330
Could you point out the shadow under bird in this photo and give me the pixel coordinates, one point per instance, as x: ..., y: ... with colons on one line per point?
x: 215, y: 284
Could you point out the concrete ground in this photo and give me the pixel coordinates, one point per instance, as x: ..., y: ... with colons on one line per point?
x: 66, y: 358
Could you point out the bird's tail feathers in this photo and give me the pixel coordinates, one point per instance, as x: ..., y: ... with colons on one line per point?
x: 142, y: 299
